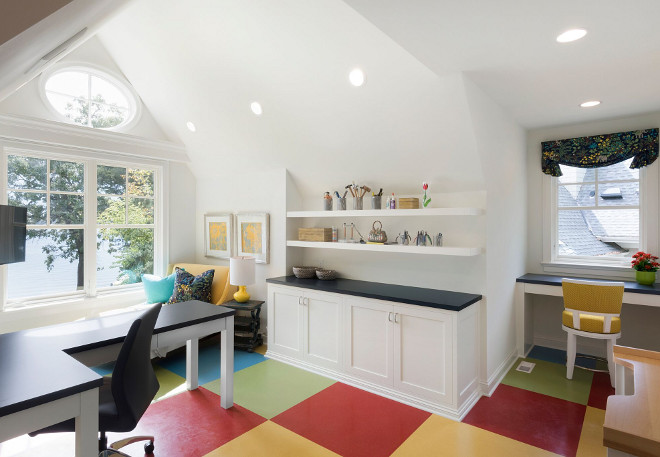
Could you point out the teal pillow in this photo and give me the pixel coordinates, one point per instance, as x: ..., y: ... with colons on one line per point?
x: 190, y: 287
x: 157, y: 289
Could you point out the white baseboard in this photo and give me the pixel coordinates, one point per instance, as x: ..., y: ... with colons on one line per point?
x: 488, y: 387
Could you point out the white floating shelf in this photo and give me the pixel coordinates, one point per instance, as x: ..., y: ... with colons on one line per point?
x: 428, y: 250
x: 390, y: 212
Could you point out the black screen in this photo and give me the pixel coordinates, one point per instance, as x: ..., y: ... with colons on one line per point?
x: 12, y: 234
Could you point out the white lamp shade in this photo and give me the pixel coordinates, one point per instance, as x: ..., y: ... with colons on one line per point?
x: 241, y: 271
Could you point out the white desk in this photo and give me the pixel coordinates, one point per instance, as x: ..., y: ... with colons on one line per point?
x: 42, y: 384
x: 634, y: 294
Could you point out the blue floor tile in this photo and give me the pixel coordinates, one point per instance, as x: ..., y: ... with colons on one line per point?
x: 548, y: 354
x: 209, y: 363
x: 558, y: 356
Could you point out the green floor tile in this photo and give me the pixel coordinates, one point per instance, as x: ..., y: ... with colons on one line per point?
x: 170, y: 383
x: 270, y: 387
x: 550, y: 379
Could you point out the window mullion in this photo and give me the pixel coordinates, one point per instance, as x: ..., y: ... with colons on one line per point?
x: 89, y: 100
x: 90, y: 228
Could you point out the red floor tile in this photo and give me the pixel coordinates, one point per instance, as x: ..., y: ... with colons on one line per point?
x: 352, y: 422
x: 191, y: 424
x: 542, y: 421
x: 601, y: 388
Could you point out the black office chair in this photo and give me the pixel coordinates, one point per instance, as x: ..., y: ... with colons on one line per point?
x: 125, y: 397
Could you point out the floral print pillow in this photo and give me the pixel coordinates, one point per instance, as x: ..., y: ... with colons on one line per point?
x: 189, y: 287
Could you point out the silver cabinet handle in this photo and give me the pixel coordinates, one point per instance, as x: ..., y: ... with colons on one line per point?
x: 396, y: 318
x: 306, y: 301
x: 300, y: 300
x: 389, y: 317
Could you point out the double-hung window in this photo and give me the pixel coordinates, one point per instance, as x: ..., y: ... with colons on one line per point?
x: 597, y: 214
x: 92, y: 225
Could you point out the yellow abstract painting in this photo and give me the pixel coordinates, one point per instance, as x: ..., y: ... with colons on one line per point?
x: 251, y: 234
x: 218, y: 236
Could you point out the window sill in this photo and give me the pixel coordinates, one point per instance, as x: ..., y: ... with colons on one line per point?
x: 589, y: 270
x: 67, y: 309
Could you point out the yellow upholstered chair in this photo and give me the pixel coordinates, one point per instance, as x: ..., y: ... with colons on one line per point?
x: 221, y: 290
x: 592, y: 310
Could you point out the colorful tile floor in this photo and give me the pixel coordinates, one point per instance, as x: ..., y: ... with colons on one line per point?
x: 284, y: 411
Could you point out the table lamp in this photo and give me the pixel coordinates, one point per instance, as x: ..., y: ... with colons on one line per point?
x: 241, y: 274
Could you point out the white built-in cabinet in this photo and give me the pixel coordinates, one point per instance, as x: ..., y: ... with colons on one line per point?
x: 305, y: 324
x: 423, y: 356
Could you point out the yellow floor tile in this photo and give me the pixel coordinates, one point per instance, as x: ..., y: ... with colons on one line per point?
x: 272, y: 440
x: 261, y: 349
x: 591, y: 439
x: 440, y: 436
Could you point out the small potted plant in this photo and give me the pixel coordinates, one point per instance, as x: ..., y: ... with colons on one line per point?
x: 645, y: 266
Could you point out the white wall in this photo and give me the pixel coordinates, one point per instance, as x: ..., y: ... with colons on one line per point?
x: 501, y: 145
x: 181, y: 214
x: 246, y: 192
x: 637, y: 330
x: 27, y: 100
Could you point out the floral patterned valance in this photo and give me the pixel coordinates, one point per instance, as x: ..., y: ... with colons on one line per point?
x: 601, y: 151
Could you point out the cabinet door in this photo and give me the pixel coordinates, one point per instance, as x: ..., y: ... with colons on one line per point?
x: 368, y: 334
x: 321, y: 341
x: 285, y: 321
x: 423, y: 353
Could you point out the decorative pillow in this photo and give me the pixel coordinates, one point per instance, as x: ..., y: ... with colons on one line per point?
x: 157, y: 289
x: 188, y: 287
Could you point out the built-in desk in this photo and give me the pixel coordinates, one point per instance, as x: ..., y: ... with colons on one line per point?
x: 43, y: 382
x: 634, y: 294
x: 632, y: 416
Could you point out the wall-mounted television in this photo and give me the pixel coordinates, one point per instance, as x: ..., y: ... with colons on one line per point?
x: 13, y: 220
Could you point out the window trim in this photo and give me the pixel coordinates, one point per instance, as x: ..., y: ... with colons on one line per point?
x: 607, y: 268
x: 90, y: 162
x: 135, y: 104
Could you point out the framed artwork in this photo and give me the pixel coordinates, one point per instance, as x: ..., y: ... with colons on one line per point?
x: 253, y: 234
x: 218, y: 235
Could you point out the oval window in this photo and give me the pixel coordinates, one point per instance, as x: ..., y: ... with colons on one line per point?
x: 89, y: 97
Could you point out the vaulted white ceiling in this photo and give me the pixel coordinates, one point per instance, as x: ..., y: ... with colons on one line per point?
x: 508, y: 48
x: 206, y: 61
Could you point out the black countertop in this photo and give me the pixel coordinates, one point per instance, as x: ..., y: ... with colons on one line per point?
x: 433, y: 298
x: 35, y: 367
x: 552, y: 280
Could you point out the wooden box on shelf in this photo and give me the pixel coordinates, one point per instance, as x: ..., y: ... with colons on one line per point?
x: 409, y: 203
x: 314, y: 234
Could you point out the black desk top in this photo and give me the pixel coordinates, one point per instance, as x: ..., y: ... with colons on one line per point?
x: 552, y: 280
x: 433, y: 298
x: 35, y: 367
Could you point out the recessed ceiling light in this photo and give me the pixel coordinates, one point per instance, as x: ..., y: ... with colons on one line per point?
x: 256, y: 108
x: 191, y: 126
x: 571, y: 35
x: 356, y: 77
x: 590, y: 103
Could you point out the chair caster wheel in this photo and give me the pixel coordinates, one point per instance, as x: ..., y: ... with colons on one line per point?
x: 149, y: 448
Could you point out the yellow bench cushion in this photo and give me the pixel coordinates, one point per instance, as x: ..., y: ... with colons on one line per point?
x: 590, y: 323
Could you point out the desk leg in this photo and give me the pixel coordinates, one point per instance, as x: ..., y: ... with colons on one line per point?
x: 192, y: 364
x: 227, y: 364
x: 521, y: 317
x: 625, y: 380
x: 87, y: 424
